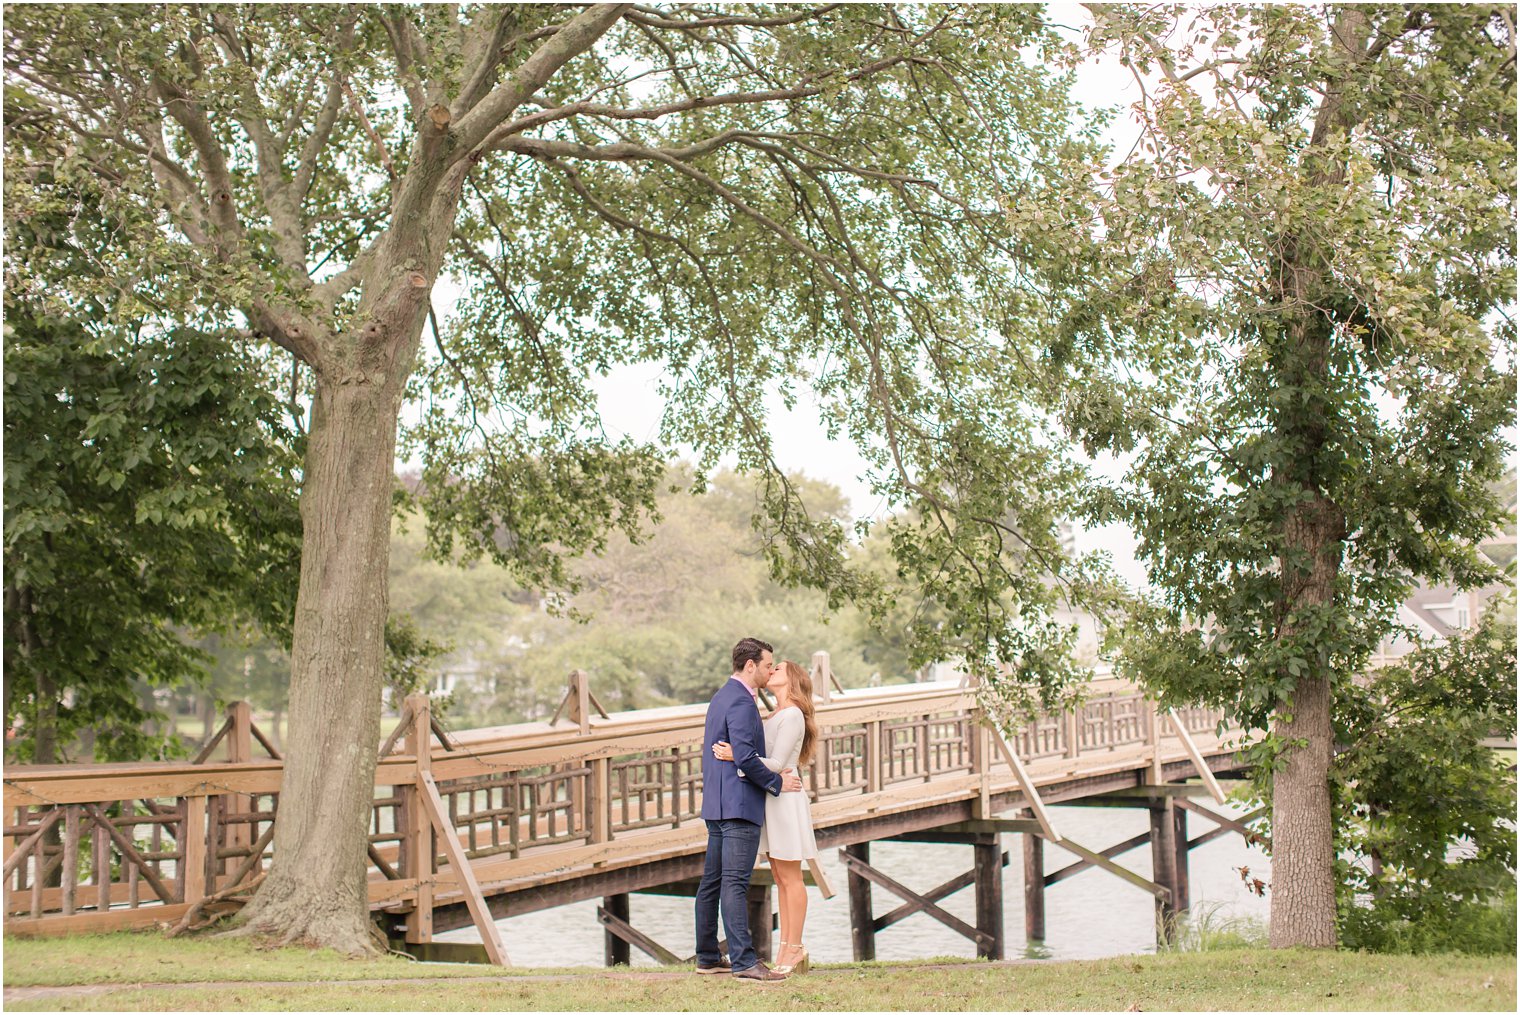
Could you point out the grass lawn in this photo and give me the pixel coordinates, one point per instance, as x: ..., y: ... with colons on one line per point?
x: 145, y: 972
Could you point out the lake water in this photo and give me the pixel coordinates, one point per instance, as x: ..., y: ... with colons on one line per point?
x: 1091, y: 915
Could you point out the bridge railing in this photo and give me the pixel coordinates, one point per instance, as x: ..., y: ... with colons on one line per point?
x: 93, y: 847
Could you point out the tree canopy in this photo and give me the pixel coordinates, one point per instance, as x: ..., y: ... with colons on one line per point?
x: 149, y: 490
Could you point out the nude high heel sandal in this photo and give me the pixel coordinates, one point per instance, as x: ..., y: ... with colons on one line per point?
x: 803, y: 963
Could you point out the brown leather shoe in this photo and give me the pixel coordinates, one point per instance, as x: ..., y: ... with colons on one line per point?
x: 759, y: 971
x: 723, y: 966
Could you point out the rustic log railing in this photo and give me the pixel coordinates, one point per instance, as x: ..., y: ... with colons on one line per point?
x: 459, y: 817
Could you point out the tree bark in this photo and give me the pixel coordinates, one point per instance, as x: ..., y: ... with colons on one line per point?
x: 315, y: 891
x: 1303, y: 849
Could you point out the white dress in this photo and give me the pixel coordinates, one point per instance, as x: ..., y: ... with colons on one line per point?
x: 788, y: 830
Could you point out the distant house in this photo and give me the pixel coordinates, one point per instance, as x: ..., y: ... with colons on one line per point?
x: 1437, y: 613
x: 466, y: 671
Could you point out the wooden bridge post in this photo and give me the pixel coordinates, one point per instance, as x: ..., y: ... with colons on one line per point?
x: 1154, y: 739
x: 862, y: 924
x: 239, y: 749
x: 982, y: 755
x: 577, y: 705
x: 615, y: 949
x: 823, y: 677
x: 580, y: 713
x: 1164, y: 867
x: 1180, y: 868
x: 421, y: 857
x: 759, y: 899
x: 1034, y: 887
x: 989, y: 896
x: 192, y: 844
x: 875, y: 768
x: 579, y: 696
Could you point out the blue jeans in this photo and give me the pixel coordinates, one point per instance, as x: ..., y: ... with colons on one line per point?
x: 731, y: 848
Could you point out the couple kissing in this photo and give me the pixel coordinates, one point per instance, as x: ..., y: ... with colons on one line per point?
x: 753, y: 802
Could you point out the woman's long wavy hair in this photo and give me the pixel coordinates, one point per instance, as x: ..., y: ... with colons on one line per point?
x: 802, y: 697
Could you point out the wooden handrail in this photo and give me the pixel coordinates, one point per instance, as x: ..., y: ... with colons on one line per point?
x: 475, y: 752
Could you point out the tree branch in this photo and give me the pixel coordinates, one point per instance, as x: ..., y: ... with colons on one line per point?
x: 221, y: 206
x: 620, y: 151
x: 280, y: 204
x: 403, y: 35
x: 653, y: 17
x: 483, y: 56
x: 578, y: 35
x: 321, y: 131
x: 695, y: 102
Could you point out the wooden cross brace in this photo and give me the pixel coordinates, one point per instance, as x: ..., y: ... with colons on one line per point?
x: 643, y: 942
x: 404, y: 724
x: 933, y: 895
x: 22, y: 851
x: 1195, y: 756
x: 1110, y: 853
x: 917, y: 902
x: 1226, y: 825
x: 1123, y: 873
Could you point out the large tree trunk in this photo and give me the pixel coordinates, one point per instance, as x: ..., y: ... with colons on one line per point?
x: 1303, y: 850
x: 12, y: 630
x: 315, y: 891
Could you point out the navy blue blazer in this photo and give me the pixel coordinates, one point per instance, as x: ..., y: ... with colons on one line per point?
x: 732, y: 716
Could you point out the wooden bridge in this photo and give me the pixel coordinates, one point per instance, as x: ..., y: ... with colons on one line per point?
x: 472, y: 826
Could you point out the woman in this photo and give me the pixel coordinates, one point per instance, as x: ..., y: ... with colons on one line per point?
x: 786, y: 838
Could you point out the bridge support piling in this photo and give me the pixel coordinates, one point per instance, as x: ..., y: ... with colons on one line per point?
x: 1180, y: 869
x: 986, y: 874
x: 616, y: 950
x: 1034, y: 887
x: 760, y: 920
x: 989, y: 897
x: 862, y: 926
x: 1164, y: 855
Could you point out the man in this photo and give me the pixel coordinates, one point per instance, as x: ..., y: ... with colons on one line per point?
x: 734, y: 809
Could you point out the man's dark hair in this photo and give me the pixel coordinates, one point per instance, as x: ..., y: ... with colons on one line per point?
x: 747, y: 649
